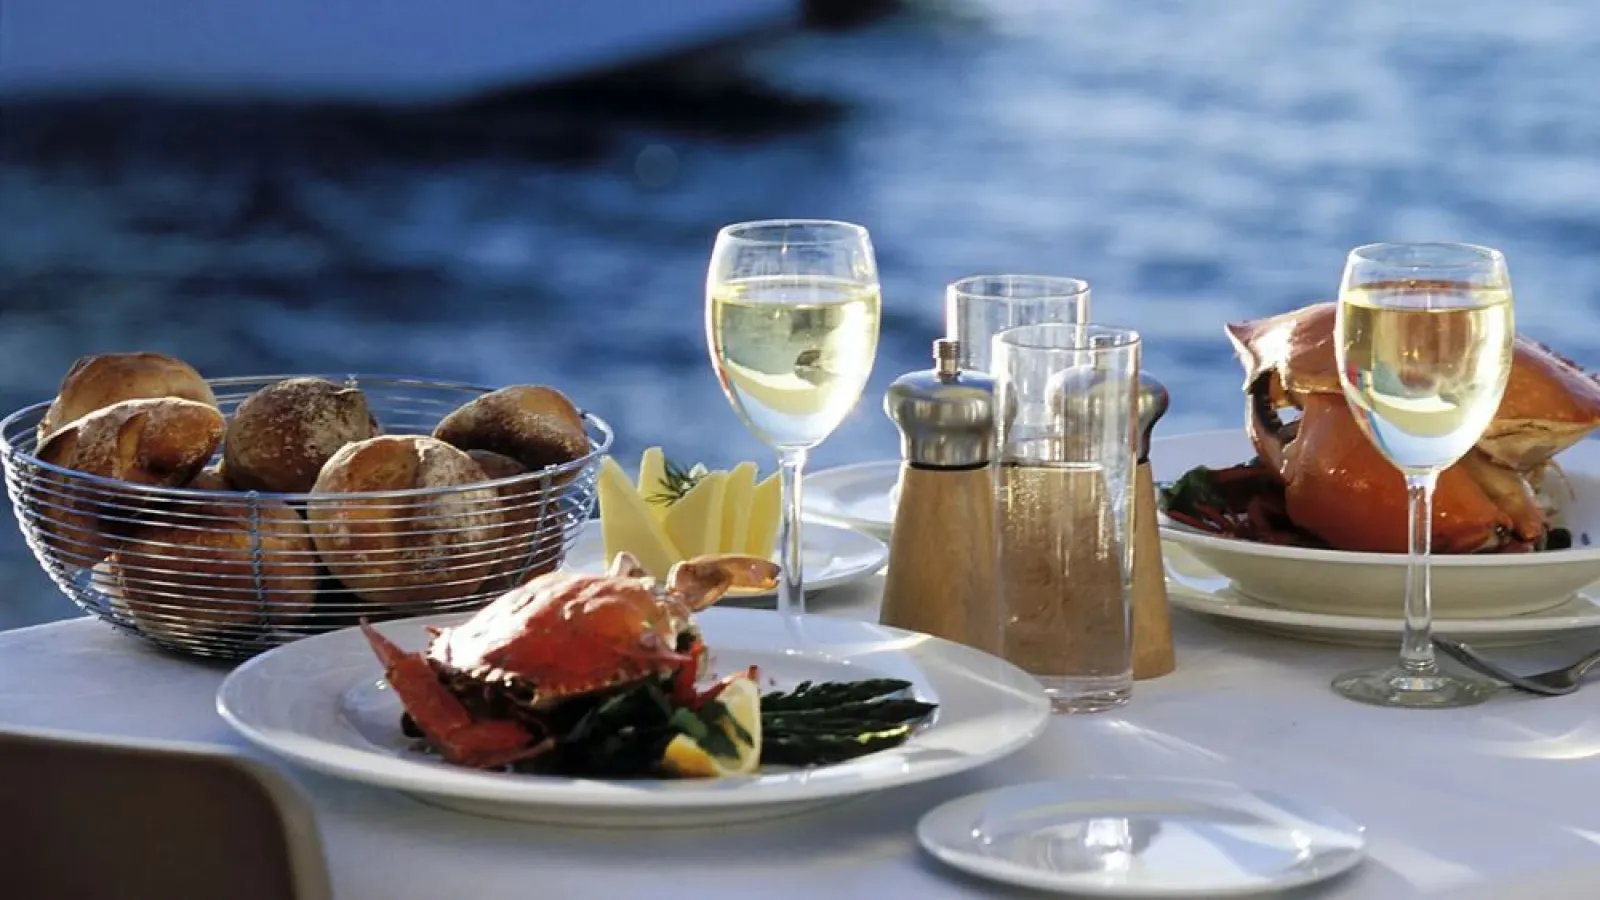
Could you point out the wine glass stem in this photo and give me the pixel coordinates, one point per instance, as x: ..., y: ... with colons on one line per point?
x: 1416, y: 646
x: 791, y: 592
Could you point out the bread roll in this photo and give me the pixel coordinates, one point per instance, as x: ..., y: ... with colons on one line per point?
x: 403, y: 550
x: 536, y: 426
x: 523, y: 511
x: 96, y: 382
x: 210, y: 479
x: 162, y: 442
x: 195, y: 573
x: 281, y: 435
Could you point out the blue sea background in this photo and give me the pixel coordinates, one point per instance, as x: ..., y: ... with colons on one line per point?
x: 1196, y: 162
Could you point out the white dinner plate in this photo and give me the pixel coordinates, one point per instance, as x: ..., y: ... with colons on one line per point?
x: 322, y: 703
x: 1142, y: 837
x: 830, y: 556
x: 1465, y: 586
x: 1194, y: 586
x: 859, y: 496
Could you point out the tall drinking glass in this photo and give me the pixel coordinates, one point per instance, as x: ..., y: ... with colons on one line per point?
x: 1063, y: 471
x: 980, y: 307
x: 792, y: 309
x: 1424, y: 342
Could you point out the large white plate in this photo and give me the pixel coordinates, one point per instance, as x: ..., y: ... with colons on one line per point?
x: 1465, y: 586
x: 830, y: 556
x: 859, y: 496
x: 1194, y: 586
x: 322, y: 702
x: 1142, y: 837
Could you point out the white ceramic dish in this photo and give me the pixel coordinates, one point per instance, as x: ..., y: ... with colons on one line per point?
x: 322, y: 703
x: 860, y: 496
x: 1339, y: 582
x: 1194, y: 586
x: 1142, y: 837
x: 830, y: 556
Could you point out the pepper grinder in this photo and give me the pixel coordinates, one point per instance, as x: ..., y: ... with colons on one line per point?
x: 1153, y: 654
x: 941, y: 553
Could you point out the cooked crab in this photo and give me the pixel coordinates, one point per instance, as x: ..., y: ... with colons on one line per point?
x: 480, y: 690
x: 1337, y: 485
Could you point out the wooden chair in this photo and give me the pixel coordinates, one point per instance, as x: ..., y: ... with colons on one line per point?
x: 81, y: 819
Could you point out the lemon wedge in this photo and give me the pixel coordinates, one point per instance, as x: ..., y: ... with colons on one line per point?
x: 685, y: 757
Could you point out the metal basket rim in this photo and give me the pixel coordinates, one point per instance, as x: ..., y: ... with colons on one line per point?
x: 12, y: 455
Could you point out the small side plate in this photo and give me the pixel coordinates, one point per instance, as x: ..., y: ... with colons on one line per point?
x: 1142, y: 837
x: 859, y: 496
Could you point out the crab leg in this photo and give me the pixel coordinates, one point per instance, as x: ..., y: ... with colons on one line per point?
x: 450, y: 729
x: 703, y: 580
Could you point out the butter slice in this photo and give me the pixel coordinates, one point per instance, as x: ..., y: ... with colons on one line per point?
x: 652, y: 472
x: 628, y: 524
x: 736, y: 498
x: 694, y: 523
x: 761, y: 539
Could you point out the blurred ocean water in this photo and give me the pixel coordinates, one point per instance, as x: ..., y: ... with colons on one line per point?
x: 1197, y: 162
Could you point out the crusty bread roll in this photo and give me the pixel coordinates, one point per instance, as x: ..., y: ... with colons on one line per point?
x: 281, y: 435
x: 210, y: 479
x: 534, y: 425
x: 405, y: 549
x: 162, y: 442
x: 194, y: 572
x: 522, y: 510
x: 96, y: 382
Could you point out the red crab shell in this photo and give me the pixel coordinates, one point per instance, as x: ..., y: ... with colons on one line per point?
x: 1340, y: 488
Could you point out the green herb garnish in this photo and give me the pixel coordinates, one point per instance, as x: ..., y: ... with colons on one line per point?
x: 676, y: 482
x: 1196, y: 489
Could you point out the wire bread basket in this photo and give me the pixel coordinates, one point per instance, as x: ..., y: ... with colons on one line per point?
x: 229, y: 574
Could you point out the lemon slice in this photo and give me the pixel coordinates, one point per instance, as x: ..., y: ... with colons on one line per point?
x: 686, y: 758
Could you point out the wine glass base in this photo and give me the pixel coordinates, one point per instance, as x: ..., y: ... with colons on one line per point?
x: 1396, y: 687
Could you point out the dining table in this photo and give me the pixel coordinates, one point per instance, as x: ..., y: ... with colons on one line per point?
x: 1500, y: 800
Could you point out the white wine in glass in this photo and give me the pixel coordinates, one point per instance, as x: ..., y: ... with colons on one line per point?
x: 1424, y: 345
x: 792, y: 311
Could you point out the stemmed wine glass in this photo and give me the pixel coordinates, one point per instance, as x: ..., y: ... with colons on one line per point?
x: 1424, y: 345
x: 792, y: 309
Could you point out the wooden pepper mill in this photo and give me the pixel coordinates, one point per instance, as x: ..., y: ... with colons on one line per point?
x: 1153, y: 654
x: 941, y: 553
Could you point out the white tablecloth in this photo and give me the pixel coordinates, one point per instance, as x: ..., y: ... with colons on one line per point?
x: 1501, y: 800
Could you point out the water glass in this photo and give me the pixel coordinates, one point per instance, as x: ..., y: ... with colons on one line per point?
x: 1063, y: 476
x: 980, y: 307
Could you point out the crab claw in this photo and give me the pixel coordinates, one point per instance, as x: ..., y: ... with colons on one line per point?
x: 626, y: 565
x: 449, y: 728
x: 703, y: 580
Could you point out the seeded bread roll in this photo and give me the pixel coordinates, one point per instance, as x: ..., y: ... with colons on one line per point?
x: 534, y: 425
x: 196, y: 574
x: 96, y: 382
x: 281, y: 435
x: 401, y: 550
x: 163, y: 442
x: 523, y: 510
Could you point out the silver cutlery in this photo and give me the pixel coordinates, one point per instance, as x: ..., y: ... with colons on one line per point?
x: 1553, y: 683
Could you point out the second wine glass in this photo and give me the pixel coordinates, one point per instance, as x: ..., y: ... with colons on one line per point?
x: 792, y: 311
x: 1425, y: 335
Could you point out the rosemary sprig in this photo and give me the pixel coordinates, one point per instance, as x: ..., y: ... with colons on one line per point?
x: 675, y: 482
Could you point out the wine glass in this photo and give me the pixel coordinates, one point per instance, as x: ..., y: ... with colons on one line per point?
x: 792, y: 309
x: 1424, y: 344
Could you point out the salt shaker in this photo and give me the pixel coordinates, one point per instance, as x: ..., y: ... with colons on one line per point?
x: 1153, y: 654
x: 941, y: 553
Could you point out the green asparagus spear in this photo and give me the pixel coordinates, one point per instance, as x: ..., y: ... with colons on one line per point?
x: 832, y: 693
x: 818, y: 749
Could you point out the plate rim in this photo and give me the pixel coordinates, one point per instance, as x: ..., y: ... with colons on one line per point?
x: 879, y: 553
x: 840, y: 471
x: 402, y: 774
x: 1244, y: 608
x: 960, y: 858
x: 1182, y: 534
